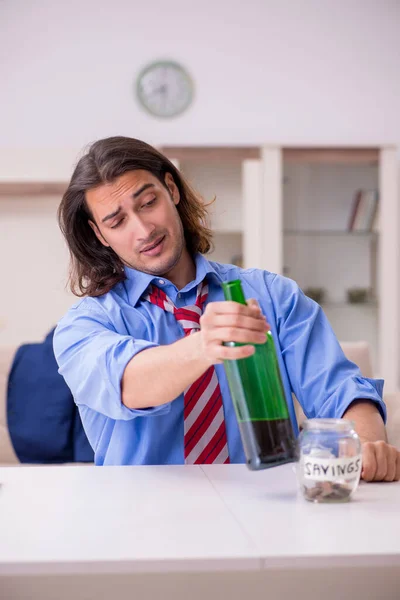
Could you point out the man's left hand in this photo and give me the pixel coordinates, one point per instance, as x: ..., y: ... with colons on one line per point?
x: 380, y: 462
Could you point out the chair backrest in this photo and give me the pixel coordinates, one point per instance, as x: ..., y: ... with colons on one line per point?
x: 392, y: 402
x: 360, y: 354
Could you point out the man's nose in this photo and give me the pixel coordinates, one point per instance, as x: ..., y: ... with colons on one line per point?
x: 143, y: 229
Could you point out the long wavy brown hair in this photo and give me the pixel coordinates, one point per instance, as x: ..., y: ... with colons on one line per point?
x: 94, y: 268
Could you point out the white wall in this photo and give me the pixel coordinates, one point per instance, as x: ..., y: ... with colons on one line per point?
x: 290, y: 71
x: 285, y: 71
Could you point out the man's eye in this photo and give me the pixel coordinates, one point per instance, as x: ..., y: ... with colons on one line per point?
x: 149, y: 203
x: 117, y: 224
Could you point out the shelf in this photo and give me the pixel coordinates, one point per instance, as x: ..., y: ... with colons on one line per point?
x: 347, y: 156
x: 323, y: 232
x: 217, y: 231
x: 32, y: 188
x: 211, y: 153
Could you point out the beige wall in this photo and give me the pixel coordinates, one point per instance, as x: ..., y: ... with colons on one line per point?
x: 33, y: 269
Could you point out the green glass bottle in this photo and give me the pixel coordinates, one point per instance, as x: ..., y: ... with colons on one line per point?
x: 258, y: 396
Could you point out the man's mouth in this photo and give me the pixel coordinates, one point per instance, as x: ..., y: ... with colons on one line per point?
x: 154, y: 248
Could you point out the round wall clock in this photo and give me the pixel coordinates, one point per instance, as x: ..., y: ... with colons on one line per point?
x: 164, y: 89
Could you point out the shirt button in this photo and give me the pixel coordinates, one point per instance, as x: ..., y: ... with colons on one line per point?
x: 161, y: 281
x: 179, y: 295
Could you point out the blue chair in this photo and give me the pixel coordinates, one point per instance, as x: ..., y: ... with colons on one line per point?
x: 43, y: 420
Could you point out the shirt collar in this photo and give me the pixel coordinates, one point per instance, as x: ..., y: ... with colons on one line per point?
x: 137, y: 282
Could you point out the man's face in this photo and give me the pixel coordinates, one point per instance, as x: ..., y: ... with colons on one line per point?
x: 137, y: 217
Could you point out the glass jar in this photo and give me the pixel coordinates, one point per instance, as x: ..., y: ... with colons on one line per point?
x: 329, y: 460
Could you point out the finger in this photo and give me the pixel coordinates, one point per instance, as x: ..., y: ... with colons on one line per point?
x: 253, y: 303
x: 234, y: 352
x: 391, y: 464
x: 381, y: 449
x: 254, y: 307
x: 368, y: 462
x: 229, y: 307
x: 256, y: 311
x: 240, y: 321
x: 238, y: 335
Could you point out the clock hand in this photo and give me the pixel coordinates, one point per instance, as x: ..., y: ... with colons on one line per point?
x: 161, y: 89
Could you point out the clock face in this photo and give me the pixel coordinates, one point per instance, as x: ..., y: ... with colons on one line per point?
x: 165, y: 89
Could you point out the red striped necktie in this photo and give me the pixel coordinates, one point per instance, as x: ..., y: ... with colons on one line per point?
x: 204, y: 423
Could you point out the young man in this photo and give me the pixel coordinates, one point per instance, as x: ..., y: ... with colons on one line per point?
x: 149, y: 393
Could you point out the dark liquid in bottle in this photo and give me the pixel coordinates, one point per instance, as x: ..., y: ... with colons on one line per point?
x: 267, y: 443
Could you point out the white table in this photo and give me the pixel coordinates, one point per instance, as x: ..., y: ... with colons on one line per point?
x: 191, y: 532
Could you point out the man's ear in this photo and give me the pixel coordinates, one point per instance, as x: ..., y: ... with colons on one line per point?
x: 98, y: 234
x: 172, y: 188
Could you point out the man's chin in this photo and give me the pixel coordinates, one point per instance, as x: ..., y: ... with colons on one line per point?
x: 157, y: 266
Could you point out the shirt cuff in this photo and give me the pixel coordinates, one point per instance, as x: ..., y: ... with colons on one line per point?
x: 162, y: 409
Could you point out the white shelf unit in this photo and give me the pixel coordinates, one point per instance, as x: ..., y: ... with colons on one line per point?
x: 287, y: 210
x: 315, y: 199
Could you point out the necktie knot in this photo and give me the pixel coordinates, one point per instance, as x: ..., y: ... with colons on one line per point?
x: 187, y: 316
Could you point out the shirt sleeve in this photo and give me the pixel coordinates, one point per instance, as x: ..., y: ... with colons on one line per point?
x: 324, y: 381
x: 92, y: 358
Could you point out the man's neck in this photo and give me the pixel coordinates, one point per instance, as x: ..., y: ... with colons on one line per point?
x: 183, y: 272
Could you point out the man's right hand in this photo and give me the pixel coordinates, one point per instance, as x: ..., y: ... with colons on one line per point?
x: 231, y: 322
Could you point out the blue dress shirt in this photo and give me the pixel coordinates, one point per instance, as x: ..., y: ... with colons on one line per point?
x: 98, y: 337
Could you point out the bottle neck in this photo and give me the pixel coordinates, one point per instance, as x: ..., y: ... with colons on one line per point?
x: 233, y: 291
